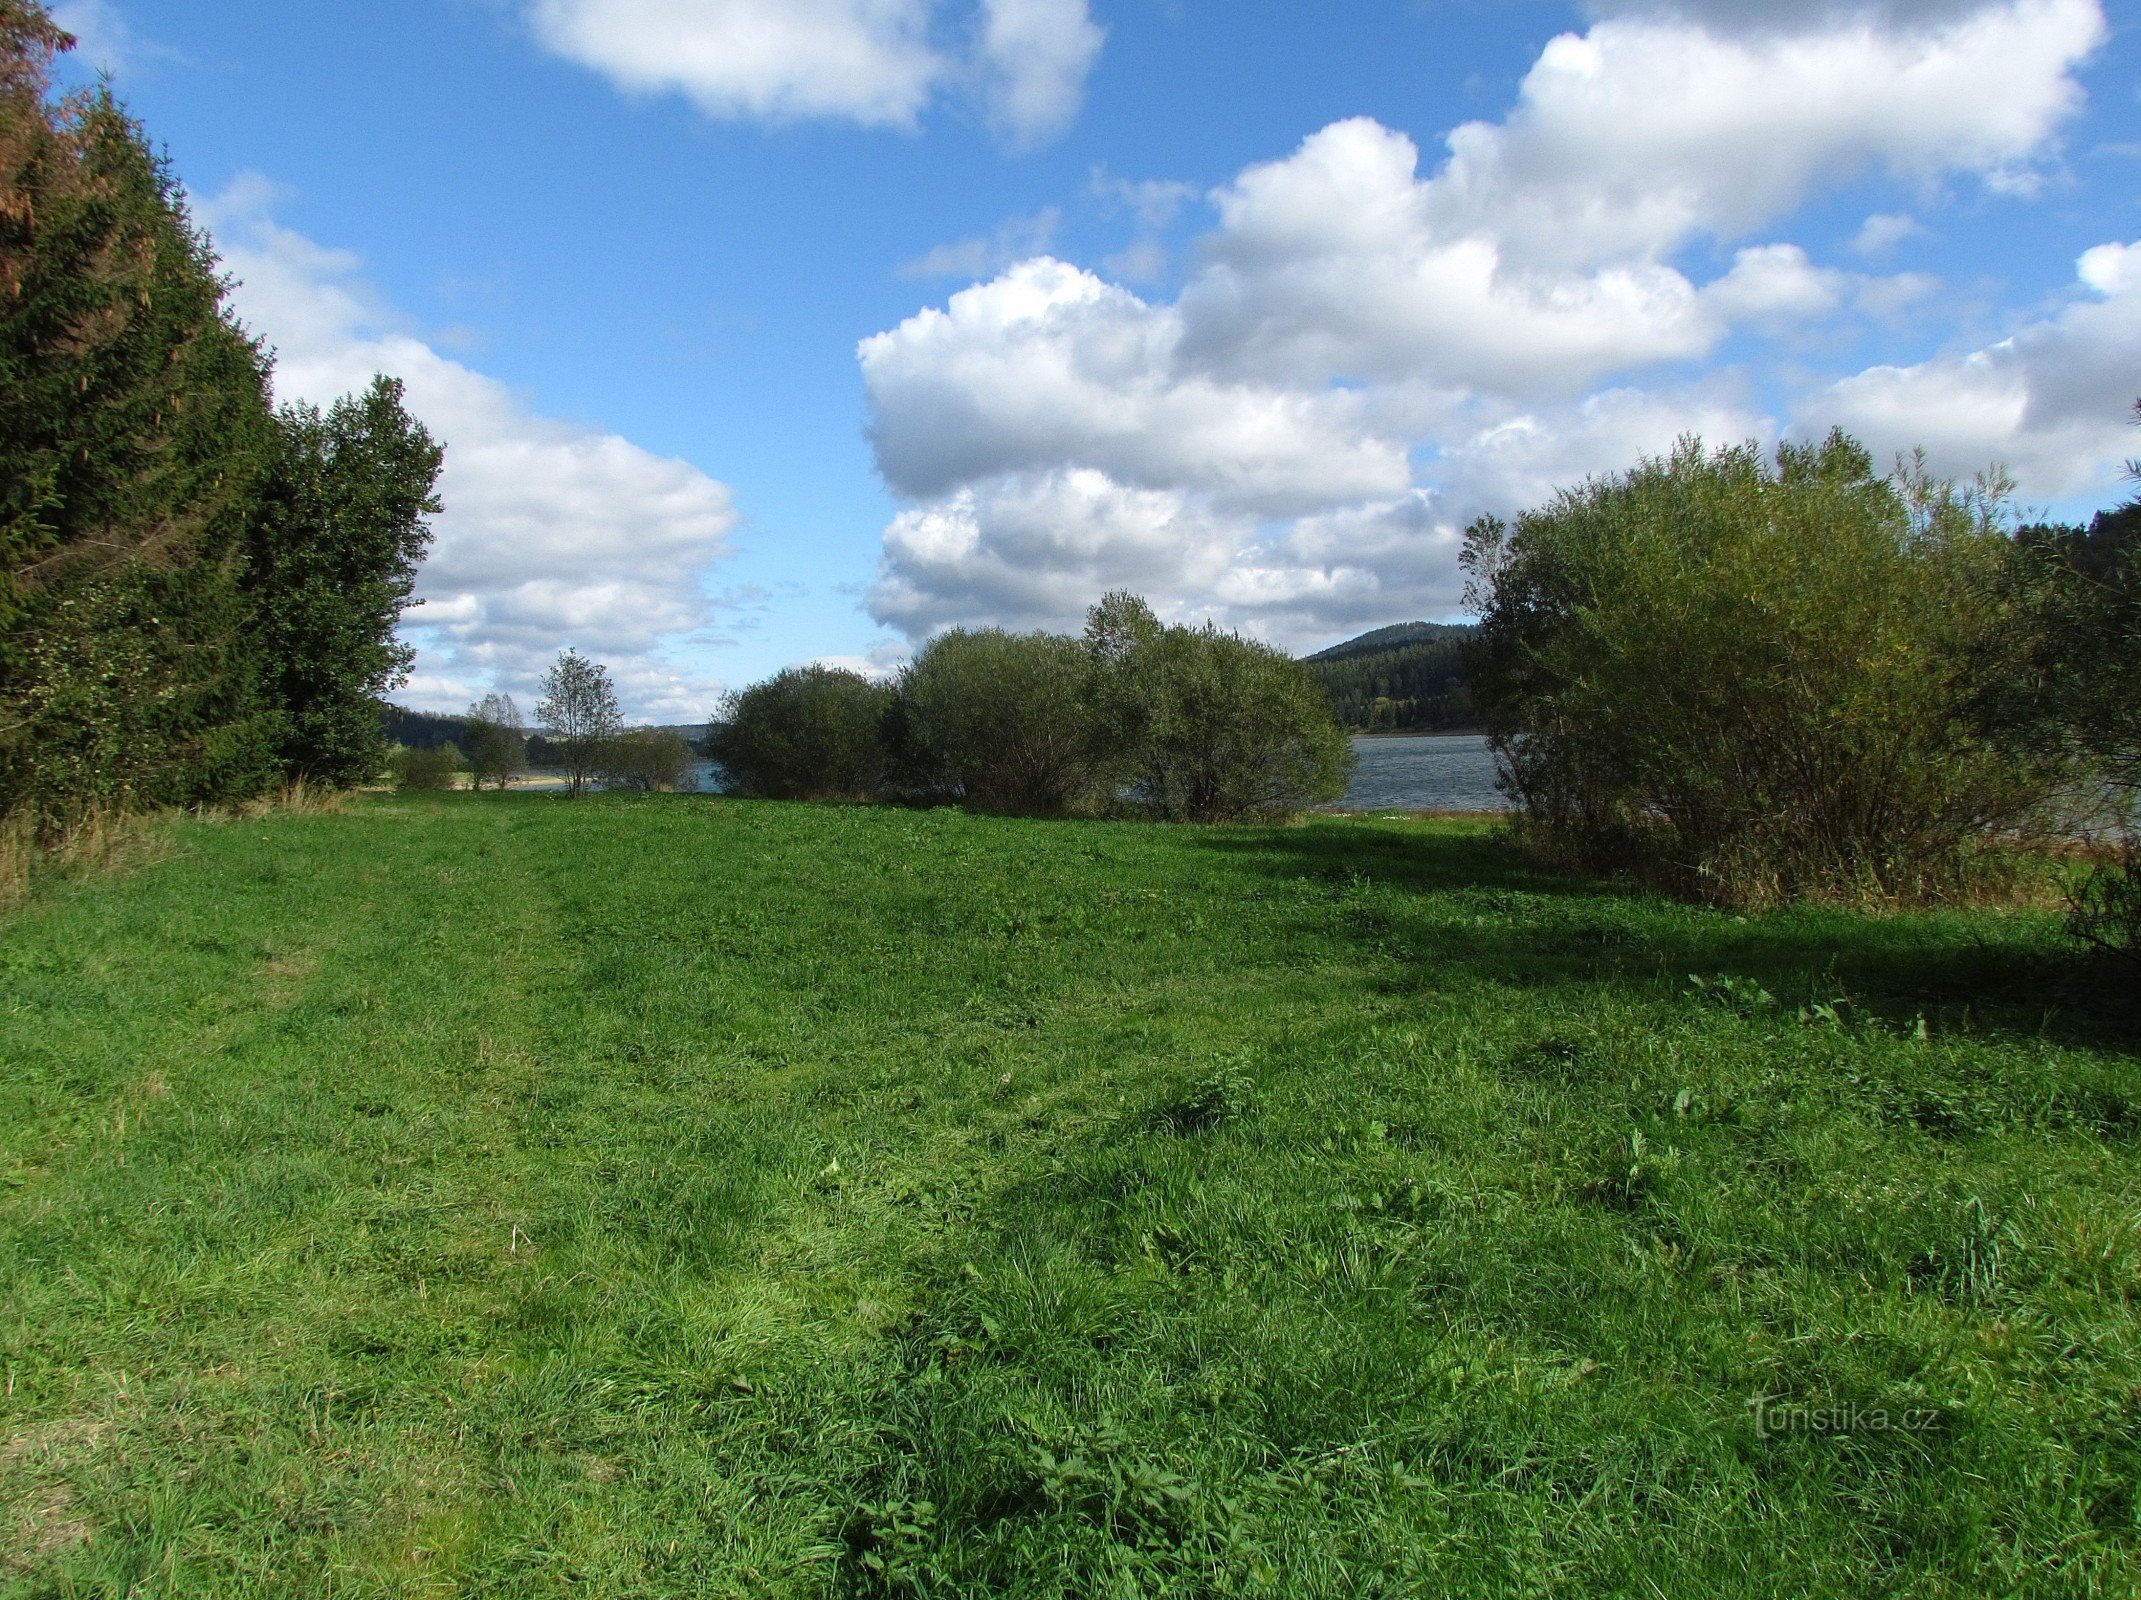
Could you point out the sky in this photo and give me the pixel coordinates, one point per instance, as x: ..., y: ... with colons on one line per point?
x: 762, y: 332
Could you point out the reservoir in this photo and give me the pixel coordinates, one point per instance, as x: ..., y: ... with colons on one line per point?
x: 1424, y: 772
x: 1401, y: 772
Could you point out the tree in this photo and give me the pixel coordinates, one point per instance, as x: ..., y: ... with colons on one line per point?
x: 1755, y: 681
x: 647, y: 759
x: 427, y: 770
x: 579, y: 713
x: 135, y: 432
x: 1205, y: 726
x: 333, y: 563
x: 497, y: 741
x: 807, y: 733
x: 999, y: 721
x: 2081, y: 698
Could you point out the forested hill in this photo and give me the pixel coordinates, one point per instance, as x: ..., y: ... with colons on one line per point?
x: 1404, y: 678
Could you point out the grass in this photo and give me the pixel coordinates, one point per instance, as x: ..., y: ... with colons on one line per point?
x: 501, y: 1196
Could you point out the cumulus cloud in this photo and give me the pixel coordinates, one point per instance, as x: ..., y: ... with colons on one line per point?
x: 878, y: 63
x: 2050, y: 402
x: 554, y: 533
x: 1048, y: 365
x: 1367, y: 353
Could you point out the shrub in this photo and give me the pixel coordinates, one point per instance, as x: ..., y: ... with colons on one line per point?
x: 497, y: 741
x: 647, y: 759
x: 1755, y: 682
x: 426, y: 770
x: 998, y: 721
x: 808, y: 733
x: 1205, y: 726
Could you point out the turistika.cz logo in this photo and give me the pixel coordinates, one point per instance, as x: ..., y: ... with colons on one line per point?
x: 1773, y: 1414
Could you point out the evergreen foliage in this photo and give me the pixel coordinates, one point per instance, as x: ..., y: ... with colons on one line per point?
x: 1408, y: 678
x: 808, y: 733
x: 135, y: 430
x: 197, y: 597
x: 1756, y: 682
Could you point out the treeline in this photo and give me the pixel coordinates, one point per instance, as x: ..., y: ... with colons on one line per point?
x: 198, y: 591
x: 1764, y: 680
x: 1405, y: 679
x: 1179, y: 724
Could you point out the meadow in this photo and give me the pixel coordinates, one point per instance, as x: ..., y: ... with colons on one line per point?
x: 509, y: 1196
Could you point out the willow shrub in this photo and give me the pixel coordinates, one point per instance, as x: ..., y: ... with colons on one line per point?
x: 1756, y: 681
x: 809, y: 733
x: 1204, y: 726
x: 998, y: 721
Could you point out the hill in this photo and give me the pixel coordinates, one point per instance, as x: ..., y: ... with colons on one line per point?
x: 1406, y: 678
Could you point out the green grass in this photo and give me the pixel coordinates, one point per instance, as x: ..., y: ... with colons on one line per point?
x: 511, y: 1197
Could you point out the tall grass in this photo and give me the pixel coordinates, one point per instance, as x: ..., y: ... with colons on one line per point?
x: 484, y: 1195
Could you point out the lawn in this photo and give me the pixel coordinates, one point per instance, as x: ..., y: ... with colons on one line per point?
x: 510, y: 1196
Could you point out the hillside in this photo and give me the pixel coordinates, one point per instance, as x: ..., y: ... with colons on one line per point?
x: 1406, y: 678
x: 664, y: 1198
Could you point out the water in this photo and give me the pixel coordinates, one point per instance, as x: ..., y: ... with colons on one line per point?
x: 1428, y: 772
x: 1424, y: 772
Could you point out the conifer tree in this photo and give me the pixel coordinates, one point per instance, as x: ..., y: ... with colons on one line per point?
x: 135, y: 428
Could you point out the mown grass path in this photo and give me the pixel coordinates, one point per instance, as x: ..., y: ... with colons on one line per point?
x: 508, y: 1196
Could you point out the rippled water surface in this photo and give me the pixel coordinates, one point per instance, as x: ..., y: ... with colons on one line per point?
x: 1425, y: 772
x: 1431, y: 772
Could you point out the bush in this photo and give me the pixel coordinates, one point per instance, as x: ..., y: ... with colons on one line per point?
x: 1204, y: 726
x: 1755, y: 683
x: 426, y: 770
x: 497, y: 741
x: 998, y: 721
x: 809, y: 733
x: 647, y: 759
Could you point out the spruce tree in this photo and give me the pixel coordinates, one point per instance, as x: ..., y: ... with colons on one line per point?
x: 135, y: 428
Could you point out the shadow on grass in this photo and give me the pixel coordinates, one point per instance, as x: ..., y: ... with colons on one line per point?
x: 1489, y: 911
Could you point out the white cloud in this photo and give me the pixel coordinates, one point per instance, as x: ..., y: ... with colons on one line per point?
x: 2050, y: 402
x: 1776, y: 283
x: 1012, y: 241
x: 866, y: 61
x: 1365, y: 354
x: 104, y: 41
x: 1884, y: 230
x: 554, y: 533
x: 1048, y: 366
x: 878, y: 63
x: 1035, y: 55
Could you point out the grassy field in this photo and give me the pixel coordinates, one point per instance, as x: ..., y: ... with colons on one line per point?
x: 506, y: 1196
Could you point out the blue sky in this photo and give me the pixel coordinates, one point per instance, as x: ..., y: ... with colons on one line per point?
x: 765, y: 331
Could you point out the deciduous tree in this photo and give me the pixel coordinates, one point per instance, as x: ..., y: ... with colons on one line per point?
x: 579, y: 713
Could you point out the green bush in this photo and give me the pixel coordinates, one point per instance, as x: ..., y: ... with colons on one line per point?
x: 1756, y: 682
x: 998, y: 721
x: 808, y: 733
x: 426, y: 770
x: 1203, y: 726
x: 647, y: 759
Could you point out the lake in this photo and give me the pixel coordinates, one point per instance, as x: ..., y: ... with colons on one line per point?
x: 1411, y: 772
x: 1424, y: 772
